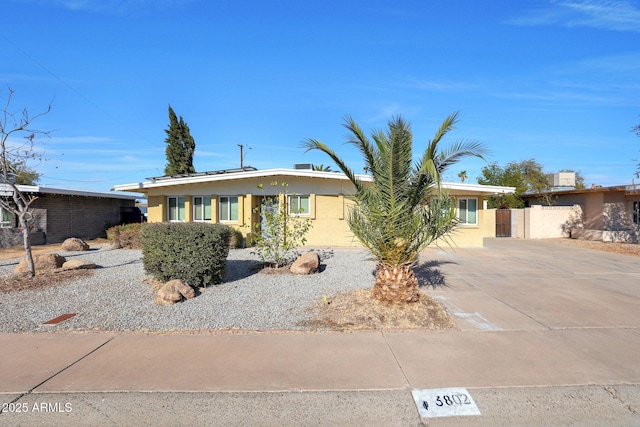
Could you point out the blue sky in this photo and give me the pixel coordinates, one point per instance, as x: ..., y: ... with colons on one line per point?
x: 557, y: 81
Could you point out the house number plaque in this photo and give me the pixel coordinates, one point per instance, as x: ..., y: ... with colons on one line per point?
x: 444, y: 402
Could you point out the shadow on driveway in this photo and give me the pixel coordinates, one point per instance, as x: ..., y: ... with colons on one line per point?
x: 430, y: 276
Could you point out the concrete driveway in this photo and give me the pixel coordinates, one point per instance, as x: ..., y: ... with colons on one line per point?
x: 520, y: 285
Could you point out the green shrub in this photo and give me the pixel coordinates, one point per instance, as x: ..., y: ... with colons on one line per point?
x: 126, y: 236
x: 194, y: 252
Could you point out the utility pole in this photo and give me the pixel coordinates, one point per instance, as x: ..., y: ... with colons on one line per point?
x: 240, y: 145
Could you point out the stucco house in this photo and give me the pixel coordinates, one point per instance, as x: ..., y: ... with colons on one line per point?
x: 232, y: 196
x: 59, y: 213
x: 603, y: 213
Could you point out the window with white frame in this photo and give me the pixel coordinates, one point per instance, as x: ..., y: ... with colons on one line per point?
x: 201, y: 208
x: 175, y: 209
x: 299, y: 205
x: 6, y: 218
x: 228, y: 209
x: 468, y: 211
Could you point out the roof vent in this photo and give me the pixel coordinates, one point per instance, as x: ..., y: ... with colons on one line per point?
x: 305, y: 166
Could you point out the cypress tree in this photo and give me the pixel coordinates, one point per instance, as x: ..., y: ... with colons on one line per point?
x: 180, y: 146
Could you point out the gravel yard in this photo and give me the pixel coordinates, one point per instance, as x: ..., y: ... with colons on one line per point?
x: 115, y: 298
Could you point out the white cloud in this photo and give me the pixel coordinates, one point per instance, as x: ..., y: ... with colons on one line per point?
x: 614, y: 15
x: 121, y: 6
x: 116, y: 7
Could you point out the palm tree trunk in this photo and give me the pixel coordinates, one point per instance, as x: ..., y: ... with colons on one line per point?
x: 396, y: 284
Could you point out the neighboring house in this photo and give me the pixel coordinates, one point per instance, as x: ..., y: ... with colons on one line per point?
x: 233, y: 197
x: 61, y: 213
x: 607, y: 213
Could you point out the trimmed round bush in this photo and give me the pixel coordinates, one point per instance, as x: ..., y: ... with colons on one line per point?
x: 194, y: 252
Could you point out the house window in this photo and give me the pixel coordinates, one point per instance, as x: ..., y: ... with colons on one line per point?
x: 6, y: 218
x: 202, y: 208
x: 468, y: 211
x: 299, y: 205
x: 176, y: 209
x: 228, y: 209
x: 636, y: 213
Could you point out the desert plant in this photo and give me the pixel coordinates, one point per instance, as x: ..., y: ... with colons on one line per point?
x: 193, y: 252
x: 404, y: 209
x: 236, y: 239
x: 126, y: 236
x: 281, y: 230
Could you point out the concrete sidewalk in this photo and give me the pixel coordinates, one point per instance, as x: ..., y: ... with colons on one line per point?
x: 550, y: 335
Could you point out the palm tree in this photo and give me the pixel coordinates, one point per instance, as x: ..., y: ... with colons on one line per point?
x: 404, y: 209
x: 322, y: 168
x: 462, y: 175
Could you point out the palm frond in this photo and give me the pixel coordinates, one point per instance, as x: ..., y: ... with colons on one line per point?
x: 360, y: 141
x: 314, y: 144
x: 404, y: 209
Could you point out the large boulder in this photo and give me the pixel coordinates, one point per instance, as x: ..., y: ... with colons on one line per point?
x: 174, y: 291
x: 77, y: 264
x: 74, y: 244
x: 307, y: 263
x: 43, y: 262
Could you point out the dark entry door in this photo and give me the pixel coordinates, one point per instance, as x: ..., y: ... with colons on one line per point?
x: 503, y: 222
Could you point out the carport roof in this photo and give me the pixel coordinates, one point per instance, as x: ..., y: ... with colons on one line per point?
x: 6, y: 190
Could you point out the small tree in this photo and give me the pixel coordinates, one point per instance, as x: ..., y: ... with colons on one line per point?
x: 403, y: 209
x: 24, y: 174
x: 526, y: 176
x: 462, y: 175
x: 322, y: 168
x: 180, y: 146
x: 14, y: 154
x: 282, y: 229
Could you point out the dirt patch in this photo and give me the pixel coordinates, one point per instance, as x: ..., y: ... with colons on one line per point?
x: 266, y: 268
x: 359, y: 310
x: 18, y: 251
x: 618, y: 248
x: 22, y: 282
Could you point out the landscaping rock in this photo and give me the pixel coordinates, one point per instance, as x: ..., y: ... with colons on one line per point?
x: 74, y: 244
x: 174, y: 291
x: 77, y: 264
x: 43, y: 262
x: 168, y: 296
x: 184, y: 288
x: 306, y: 263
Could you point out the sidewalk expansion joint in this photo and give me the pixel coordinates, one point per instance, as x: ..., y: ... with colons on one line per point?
x: 396, y: 359
x: 61, y: 370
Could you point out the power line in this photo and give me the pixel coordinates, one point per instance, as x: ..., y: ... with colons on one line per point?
x: 71, y: 88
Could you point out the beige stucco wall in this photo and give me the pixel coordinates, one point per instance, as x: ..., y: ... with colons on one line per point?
x: 544, y: 222
x: 329, y: 204
x: 470, y: 236
x: 518, y: 223
x: 616, y: 215
x: 489, y: 223
x: 606, y: 214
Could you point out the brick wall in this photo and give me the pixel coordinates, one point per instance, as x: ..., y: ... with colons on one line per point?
x: 77, y: 216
